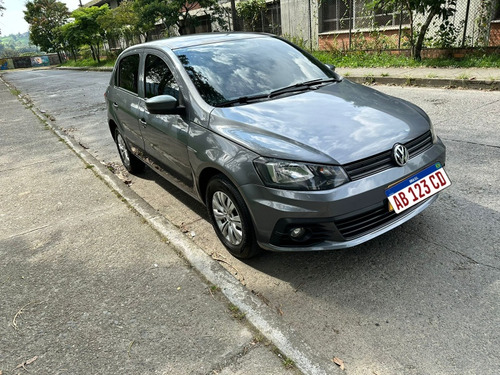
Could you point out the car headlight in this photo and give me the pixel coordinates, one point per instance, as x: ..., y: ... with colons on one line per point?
x: 292, y: 175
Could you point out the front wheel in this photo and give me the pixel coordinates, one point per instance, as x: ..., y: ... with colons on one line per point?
x: 130, y: 161
x: 230, y: 218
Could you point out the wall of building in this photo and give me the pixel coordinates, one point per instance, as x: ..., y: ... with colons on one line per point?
x: 299, y: 20
x: 473, y: 16
x: 340, y: 40
x: 495, y: 33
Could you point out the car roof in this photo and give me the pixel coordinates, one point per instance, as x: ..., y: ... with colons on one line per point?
x: 199, y: 39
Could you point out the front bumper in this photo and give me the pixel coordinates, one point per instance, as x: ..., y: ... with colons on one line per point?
x: 339, y: 218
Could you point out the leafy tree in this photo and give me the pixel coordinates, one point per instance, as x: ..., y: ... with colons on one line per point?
x: 122, y: 22
x: 45, y: 17
x: 176, y: 13
x: 90, y: 31
x: 71, y: 38
x: 251, y: 11
x: 428, y: 9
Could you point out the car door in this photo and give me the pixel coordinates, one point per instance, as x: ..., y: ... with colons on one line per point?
x: 165, y: 136
x: 125, y: 100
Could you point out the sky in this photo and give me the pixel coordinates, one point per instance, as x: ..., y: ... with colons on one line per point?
x: 13, y: 21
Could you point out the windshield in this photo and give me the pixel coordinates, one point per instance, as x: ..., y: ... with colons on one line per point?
x: 229, y: 70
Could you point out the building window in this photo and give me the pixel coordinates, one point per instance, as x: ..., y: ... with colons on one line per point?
x: 496, y: 16
x: 335, y: 16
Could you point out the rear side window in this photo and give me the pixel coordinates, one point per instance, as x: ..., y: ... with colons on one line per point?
x: 128, y: 73
x: 158, y: 79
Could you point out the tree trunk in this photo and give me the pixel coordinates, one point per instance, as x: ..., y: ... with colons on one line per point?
x: 234, y: 17
x: 417, y: 49
x: 93, y: 52
x: 98, y: 53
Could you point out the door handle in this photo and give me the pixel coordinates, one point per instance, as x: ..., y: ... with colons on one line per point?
x: 143, y: 122
x: 115, y: 104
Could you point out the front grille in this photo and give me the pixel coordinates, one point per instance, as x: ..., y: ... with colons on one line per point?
x: 357, y: 225
x: 377, y: 163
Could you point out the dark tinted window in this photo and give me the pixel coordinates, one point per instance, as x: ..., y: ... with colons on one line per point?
x: 158, y: 79
x: 229, y: 70
x: 128, y: 73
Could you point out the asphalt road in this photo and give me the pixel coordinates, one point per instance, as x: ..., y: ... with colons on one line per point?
x: 422, y: 299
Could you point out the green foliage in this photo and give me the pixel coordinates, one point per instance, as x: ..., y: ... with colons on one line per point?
x: 428, y: 9
x: 447, y: 35
x: 122, y: 22
x: 360, y: 59
x: 45, y: 17
x: 90, y: 62
x: 89, y: 31
x: 482, y: 21
x: 175, y: 13
x: 250, y: 11
x: 297, y: 40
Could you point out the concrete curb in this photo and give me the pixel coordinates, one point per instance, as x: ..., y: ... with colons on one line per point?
x: 256, y: 312
x: 428, y: 82
x: 86, y: 68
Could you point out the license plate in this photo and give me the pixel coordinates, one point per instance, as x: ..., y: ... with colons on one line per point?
x: 418, y: 187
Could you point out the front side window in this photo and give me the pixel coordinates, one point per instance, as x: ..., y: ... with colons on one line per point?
x: 128, y: 73
x: 158, y: 79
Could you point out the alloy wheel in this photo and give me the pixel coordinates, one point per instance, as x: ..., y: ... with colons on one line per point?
x: 227, y: 218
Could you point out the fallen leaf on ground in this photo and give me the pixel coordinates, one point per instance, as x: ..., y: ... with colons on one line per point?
x: 26, y: 363
x: 339, y: 363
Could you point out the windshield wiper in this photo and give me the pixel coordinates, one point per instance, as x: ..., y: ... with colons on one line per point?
x: 302, y: 86
x: 242, y: 100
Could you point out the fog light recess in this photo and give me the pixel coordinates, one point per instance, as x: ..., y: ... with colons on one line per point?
x: 298, y: 233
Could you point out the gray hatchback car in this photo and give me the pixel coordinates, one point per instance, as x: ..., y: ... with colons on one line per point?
x: 285, y: 153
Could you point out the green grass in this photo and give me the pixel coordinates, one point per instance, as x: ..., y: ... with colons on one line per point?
x: 89, y: 63
x: 360, y: 59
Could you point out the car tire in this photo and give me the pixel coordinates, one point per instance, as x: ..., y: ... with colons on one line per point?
x: 230, y: 218
x: 129, y: 160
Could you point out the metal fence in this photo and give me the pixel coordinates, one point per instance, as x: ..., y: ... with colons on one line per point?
x: 269, y: 20
x: 473, y: 23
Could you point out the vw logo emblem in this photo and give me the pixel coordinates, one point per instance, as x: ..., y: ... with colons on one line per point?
x: 400, y: 154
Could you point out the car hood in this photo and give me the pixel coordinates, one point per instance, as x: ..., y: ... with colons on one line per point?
x: 336, y: 124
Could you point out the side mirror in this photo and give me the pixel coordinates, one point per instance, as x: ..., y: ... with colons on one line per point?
x: 164, y: 105
x: 331, y: 67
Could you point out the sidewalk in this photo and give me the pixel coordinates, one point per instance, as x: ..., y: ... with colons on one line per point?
x: 87, y: 286
x: 468, y: 78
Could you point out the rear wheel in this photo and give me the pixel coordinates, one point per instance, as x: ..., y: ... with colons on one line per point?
x: 130, y: 161
x: 230, y: 218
